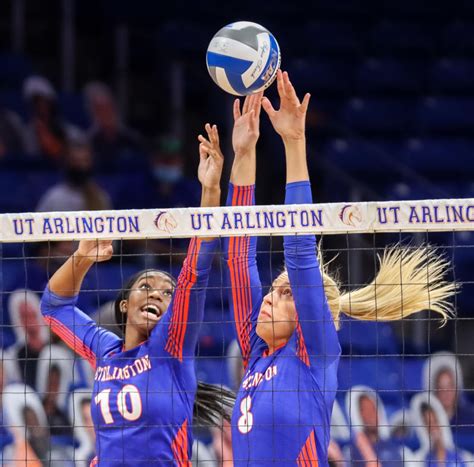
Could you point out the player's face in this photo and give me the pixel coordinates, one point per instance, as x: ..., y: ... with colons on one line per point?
x: 277, y: 317
x: 148, y: 300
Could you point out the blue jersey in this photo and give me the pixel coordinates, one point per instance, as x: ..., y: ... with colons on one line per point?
x: 283, y: 408
x: 142, y: 402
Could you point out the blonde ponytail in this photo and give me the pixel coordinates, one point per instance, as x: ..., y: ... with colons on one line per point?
x: 409, y: 280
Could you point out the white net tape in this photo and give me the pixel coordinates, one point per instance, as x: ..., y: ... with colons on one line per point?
x: 331, y: 218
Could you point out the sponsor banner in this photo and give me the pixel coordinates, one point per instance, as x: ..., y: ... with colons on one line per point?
x: 408, y: 216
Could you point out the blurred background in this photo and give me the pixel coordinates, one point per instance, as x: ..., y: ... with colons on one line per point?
x: 101, y: 103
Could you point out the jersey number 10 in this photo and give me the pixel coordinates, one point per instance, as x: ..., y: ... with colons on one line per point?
x: 132, y: 414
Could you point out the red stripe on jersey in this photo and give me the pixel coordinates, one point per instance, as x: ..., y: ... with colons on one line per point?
x: 239, y: 275
x: 300, y: 344
x: 94, y: 462
x: 179, y: 446
x: 179, y: 320
x: 238, y: 267
x: 182, y: 309
x: 246, y: 279
x: 308, y: 456
x: 69, y: 338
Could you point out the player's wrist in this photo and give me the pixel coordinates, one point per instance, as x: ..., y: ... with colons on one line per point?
x: 211, y: 190
x: 244, y: 153
x: 294, y: 140
x: 80, y: 259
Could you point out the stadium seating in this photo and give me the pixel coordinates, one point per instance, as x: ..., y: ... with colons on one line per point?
x: 322, y: 76
x: 14, y: 68
x: 457, y: 39
x: 402, y: 38
x: 378, y: 116
x: 428, y: 156
x: 446, y: 116
x: 388, y: 76
x: 332, y: 38
x: 452, y: 76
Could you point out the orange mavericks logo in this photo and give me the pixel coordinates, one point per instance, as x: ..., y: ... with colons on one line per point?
x: 351, y: 215
x: 165, y: 222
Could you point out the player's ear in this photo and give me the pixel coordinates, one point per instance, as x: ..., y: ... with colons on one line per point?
x: 123, y: 306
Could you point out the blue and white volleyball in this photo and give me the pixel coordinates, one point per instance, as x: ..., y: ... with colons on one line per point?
x: 243, y: 58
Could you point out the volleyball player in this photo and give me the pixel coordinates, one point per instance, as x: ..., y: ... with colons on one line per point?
x: 145, y: 383
x: 288, y: 337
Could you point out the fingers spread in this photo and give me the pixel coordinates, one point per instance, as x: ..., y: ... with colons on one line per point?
x: 258, y: 103
x: 245, y: 108
x: 203, y: 152
x: 280, y: 85
x: 215, y: 136
x: 203, y: 140
x: 305, y: 103
x: 268, y: 107
x: 290, y: 90
x: 208, y: 131
x: 236, y: 109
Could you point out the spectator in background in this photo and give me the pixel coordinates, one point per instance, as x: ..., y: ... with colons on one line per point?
x: 78, y: 191
x: 57, y: 420
x: 46, y: 133
x: 402, y: 429
x: 165, y: 185
x: 340, y: 435
x: 88, y: 424
x: 83, y: 426
x: 31, y: 335
x: 27, y: 421
x: 6, y: 436
x: 222, y: 444
x: 372, y: 441
x: 437, y: 447
x: 12, y: 138
x: 235, y: 365
x: 112, y: 140
x: 442, y: 375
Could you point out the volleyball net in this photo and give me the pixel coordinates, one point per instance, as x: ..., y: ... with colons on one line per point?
x: 404, y: 387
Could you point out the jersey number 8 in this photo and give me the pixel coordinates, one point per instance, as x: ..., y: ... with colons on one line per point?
x: 245, y: 422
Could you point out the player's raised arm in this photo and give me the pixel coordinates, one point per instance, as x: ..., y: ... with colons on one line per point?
x: 187, y: 307
x: 67, y: 280
x: 240, y: 253
x: 315, y: 328
x: 73, y: 326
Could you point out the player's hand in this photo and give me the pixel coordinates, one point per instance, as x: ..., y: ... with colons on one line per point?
x: 211, y: 158
x: 95, y: 251
x: 246, y: 124
x: 289, y: 120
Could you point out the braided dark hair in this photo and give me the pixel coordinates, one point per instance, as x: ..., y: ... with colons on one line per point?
x: 213, y: 403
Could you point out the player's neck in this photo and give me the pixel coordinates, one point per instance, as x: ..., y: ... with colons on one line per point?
x: 132, y: 338
x: 275, y: 345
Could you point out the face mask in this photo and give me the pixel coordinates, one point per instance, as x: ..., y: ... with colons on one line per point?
x: 78, y: 177
x: 167, y: 173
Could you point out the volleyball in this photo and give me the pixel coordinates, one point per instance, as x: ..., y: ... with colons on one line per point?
x: 243, y: 58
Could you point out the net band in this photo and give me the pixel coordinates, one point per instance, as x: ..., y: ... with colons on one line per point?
x: 330, y: 218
